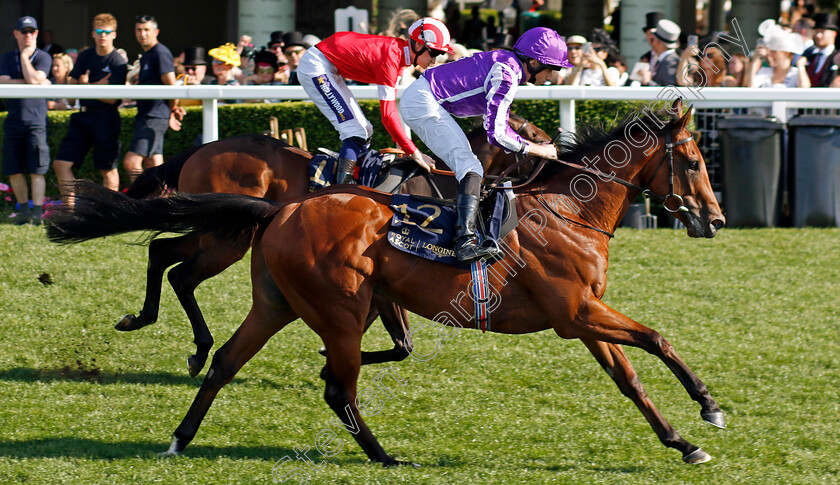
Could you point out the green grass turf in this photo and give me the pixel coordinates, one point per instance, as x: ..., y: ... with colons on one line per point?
x: 753, y: 312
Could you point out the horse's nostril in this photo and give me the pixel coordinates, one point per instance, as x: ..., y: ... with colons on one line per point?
x: 717, y: 224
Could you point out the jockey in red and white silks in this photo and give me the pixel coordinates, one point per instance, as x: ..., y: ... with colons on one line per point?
x: 370, y: 59
x: 485, y: 85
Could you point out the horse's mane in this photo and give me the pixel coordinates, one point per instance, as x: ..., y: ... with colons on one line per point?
x: 590, y: 137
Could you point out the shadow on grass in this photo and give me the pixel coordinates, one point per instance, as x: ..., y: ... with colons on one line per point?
x: 68, y: 374
x: 108, y: 450
x: 82, y: 448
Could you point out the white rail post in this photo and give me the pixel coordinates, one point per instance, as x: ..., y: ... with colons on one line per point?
x: 567, y: 115
x: 779, y: 110
x: 210, y: 118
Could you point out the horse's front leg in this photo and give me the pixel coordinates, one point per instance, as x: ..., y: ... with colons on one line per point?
x: 163, y: 253
x: 395, y: 321
x: 597, y: 321
x: 341, y: 374
x: 615, y: 363
x: 213, y: 257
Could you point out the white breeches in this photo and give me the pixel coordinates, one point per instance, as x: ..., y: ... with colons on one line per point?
x: 327, y: 89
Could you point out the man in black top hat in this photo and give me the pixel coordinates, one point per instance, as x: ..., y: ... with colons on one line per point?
x: 25, y: 147
x: 276, y: 45
x: 650, y: 23
x: 293, y: 50
x: 821, y: 67
x: 195, y: 66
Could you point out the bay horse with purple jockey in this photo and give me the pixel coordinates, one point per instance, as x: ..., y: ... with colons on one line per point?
x: 552, y: 276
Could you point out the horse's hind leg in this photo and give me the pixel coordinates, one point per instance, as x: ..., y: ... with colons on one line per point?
x: 614, y: 361
x: 163, y: 253
x: 395, y: 321
x: 269, y: 314
x: 248, y: 339
x: 213, y: 257
x: 604, y: 323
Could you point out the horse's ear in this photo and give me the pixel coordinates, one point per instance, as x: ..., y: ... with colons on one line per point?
x: 677, y: 107
x: 684, y: 119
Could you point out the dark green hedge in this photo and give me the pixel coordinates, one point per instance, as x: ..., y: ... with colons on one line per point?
x: 238, y: 119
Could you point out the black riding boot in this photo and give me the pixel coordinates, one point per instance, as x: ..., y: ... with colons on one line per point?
x: 467, y: 248
x: 344, y: 174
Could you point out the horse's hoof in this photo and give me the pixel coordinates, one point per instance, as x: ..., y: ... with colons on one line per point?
x: 172, y: 451
x: 195, y: 364
x: 323, y: 351
x: 715, y: 419
x: 696, y: 457
x: 129, y: 323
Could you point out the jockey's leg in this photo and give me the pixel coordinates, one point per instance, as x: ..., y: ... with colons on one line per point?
x: 353, y: 150
x: 467, y: 248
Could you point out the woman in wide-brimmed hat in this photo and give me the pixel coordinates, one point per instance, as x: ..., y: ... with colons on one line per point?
x: 779, y: 50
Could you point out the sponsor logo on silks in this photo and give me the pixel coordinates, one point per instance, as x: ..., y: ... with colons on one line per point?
x: 339, y: 107
x: 106, y: 69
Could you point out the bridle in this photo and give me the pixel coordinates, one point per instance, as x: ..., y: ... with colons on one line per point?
x: 645, y: 190
x: 519, y: 131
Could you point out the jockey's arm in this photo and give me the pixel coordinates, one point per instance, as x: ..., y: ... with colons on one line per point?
x: 391, y: 119
x: 502, y: 90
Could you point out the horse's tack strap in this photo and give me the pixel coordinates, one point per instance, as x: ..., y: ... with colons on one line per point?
x: 480, y: 294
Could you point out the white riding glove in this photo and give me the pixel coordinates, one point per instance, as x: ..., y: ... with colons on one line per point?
x: 423, y: 160
x: 547, y: 151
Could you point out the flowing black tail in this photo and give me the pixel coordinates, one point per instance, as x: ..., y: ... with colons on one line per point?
x: 100, y: 212
x: 153, y: 181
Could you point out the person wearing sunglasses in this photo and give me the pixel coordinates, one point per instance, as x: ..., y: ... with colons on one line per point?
x: 483, y: 84
x: 25, y: 148
x: 154, y: 116
x: 265, y: 68
x: 97, y: 125
x: 293, y: 49
x: 226, y: 62
x: 591, y: 64
x: 371, y: 59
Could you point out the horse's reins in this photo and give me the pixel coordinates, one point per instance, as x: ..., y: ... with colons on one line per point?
x: 646, y: 192
x: 501, y: 177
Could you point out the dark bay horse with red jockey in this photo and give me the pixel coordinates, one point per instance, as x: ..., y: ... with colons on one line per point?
x: 260, y: 166
x: 332, y: 246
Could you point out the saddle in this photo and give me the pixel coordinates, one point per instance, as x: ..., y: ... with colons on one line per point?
x: 388, y: 171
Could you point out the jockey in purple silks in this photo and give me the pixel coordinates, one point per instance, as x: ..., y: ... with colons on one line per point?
x: 482, y: 85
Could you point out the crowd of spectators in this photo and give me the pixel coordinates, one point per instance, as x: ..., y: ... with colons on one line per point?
x: 798, y: 52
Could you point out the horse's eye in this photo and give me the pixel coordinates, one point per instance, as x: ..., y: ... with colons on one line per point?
x: 694, y: 165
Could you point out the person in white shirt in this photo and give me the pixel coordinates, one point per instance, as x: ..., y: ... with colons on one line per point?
x: 780, y: 49
x: 591, y: 68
